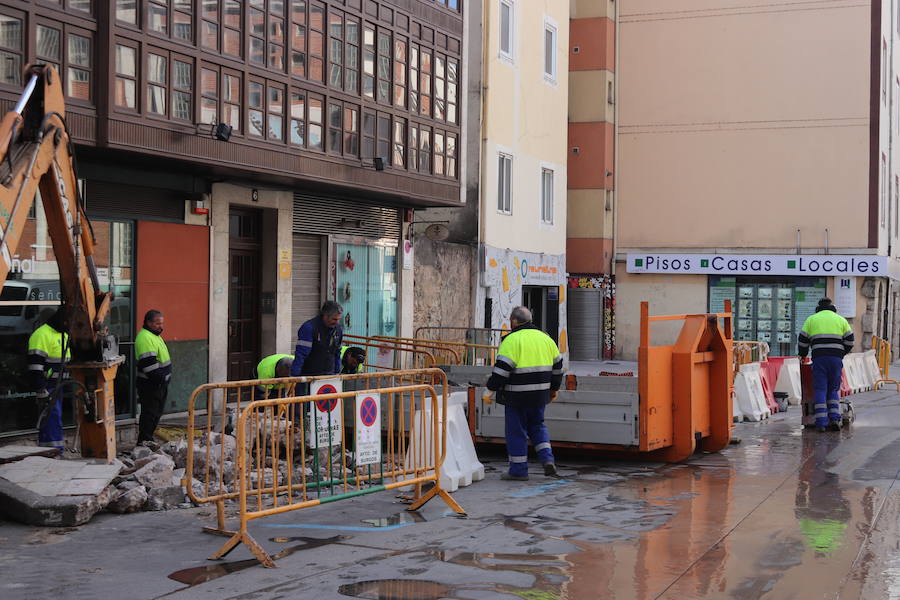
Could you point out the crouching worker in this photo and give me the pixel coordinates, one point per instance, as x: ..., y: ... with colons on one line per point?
x: 275, y: 366
x: 527, y: 376
x: 352, y: 360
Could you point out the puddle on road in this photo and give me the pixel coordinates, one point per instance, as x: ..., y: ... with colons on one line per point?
x: 398, y: 589
x: 402, y: 518
x: 197, y: 575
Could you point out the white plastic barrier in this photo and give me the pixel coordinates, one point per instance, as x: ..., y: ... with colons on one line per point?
x: 461, y: 466
x: 855, y: 379
x: 749, y: 393
x: 789, y: 381
x: 866, y: 381
x: 871, y: 364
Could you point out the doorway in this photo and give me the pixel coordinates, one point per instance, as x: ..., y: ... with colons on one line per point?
x: 244, y: 249
x: 543, y: 302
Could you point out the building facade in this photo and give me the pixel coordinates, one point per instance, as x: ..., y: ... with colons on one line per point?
x: 245, y: 159
x: 522, y: 212
x: 591, y: 193
x: 749, y: 172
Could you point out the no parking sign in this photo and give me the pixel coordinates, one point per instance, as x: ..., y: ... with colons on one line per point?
x: 325, y: 415
x: 368, y: 428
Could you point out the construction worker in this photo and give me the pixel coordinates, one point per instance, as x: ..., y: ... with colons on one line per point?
x: 274, y: 366
x: 830, y: 337
x: 48, y: 352
x: 352, y: 359
x: 318, y: 350
x: 154, y: 370
x: 527, y: 375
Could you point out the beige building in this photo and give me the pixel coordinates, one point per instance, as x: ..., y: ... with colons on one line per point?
x: 751, y: 144
x: 522, y: 213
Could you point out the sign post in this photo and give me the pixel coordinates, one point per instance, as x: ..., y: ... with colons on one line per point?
x: 368, y: 429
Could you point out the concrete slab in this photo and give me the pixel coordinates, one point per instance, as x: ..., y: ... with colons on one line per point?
x: 12, y: 453
x: 43, y: 491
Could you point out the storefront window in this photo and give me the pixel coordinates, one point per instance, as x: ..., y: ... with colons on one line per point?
x: 770, y: 310
x: 32, y: 294
x: 366, y: 284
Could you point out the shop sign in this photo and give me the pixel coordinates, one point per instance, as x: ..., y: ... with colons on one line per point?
x: 845, y: 296
x: 759, y: 264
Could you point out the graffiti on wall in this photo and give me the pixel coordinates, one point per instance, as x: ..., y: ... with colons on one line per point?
x: 608, y: 285
x: 504, y: 272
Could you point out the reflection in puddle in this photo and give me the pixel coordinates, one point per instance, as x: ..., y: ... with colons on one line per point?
x: 397, y: 589
x: 196, y: 575
x: 403, y: 518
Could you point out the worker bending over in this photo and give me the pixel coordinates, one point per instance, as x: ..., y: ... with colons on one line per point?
x: 352, y: 359
x: 318, y: 350
x: 527, y: 375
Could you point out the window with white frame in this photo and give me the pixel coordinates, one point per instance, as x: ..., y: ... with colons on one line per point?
x: 507, y: 28
x: 549, y: 51
x: 504, y: 184
x: 547, y: 196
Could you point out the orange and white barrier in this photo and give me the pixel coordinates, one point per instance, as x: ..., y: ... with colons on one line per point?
x: 750, y: 398
x: 789, y: 380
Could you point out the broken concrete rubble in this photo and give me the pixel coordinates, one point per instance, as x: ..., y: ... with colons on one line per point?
x: 131, y: 500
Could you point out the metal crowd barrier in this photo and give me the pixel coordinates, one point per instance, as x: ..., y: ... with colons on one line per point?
x: 882, y: 349
x: 446, y: 352
x: 390, y: 356
x: 749, y: 352
x: 272, y: 469
x: 443, y: 352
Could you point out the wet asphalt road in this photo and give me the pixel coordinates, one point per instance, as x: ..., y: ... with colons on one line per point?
x: 788, y: 513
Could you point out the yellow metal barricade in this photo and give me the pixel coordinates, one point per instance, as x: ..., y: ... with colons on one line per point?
x: 272, y: 456
x: 883, y: 354
x: 274, y: 441
x: 749, y: 351
x: 445, y: 352
x: 382, y: 355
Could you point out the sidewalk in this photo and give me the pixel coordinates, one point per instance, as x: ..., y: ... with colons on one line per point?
x: 786, y: 513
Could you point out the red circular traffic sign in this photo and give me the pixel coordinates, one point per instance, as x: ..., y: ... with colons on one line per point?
x: 368, y: 411
x: 329, y: 404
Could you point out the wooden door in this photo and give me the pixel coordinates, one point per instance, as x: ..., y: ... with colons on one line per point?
x: 243, y: 294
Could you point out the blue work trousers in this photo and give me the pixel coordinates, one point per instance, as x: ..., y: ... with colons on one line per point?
x: 827, y: 386
x: 51, y: 430
x: 524, y: 421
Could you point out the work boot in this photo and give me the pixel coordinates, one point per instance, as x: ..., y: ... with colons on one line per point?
x: 835, y: 426
x: 820, y: 428
x: 550, y: 470
x: 509, y: 477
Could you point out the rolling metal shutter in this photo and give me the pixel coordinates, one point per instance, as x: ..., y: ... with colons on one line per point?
x: 318, y: 214
x: 585, y: 315
x: 106, y: 199
x: 307, y: 278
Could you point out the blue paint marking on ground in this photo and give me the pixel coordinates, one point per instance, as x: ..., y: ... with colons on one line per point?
x: 546, y: 487
x: 337, y: 527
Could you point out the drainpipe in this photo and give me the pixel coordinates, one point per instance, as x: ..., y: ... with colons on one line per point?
x: 485, y: 79
x: 615, y: 191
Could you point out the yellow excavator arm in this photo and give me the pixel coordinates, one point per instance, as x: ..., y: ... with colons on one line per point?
x: 36, y: 155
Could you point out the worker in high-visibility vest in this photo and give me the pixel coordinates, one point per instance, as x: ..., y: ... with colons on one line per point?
x: 527, y: 375
x: 830, y: 337
x: 48, y: 353
x: 274, y: 366
x: 154, y: 371
x: 352, y: 359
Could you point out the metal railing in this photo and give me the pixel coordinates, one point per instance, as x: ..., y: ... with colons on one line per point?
x: 213, y: 411
x: 446, y: 352
x: 882, y: 349
x: 268, y: 443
